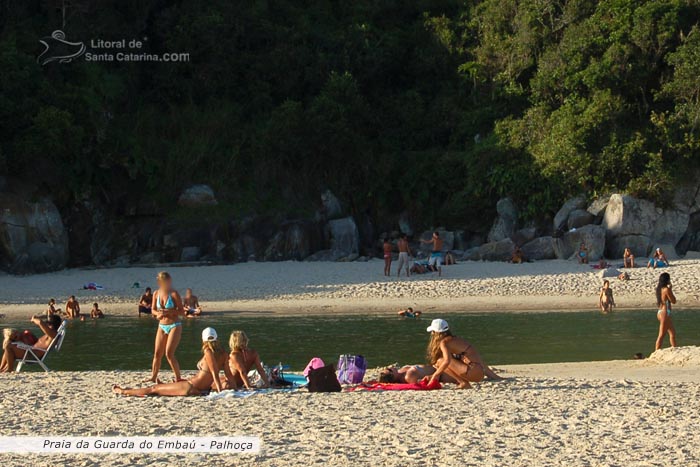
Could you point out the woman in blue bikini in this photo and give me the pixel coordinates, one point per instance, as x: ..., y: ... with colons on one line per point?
x: 664, y: 300
x: 167, y: 309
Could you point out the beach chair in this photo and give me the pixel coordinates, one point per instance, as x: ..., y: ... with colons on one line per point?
x: 30, y: 354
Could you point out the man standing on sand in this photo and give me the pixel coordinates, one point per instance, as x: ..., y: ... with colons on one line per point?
x: 72, y: 308
x: 435, y: 261
x: 404, y: 255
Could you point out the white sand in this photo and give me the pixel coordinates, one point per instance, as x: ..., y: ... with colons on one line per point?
x: 321, y: 288
x: 598, y: 414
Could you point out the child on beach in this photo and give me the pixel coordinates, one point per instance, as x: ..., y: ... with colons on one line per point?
x: 387, y: 257
x: 455, y: 357
x: 606, y: 300
x: 207, y: 379
x: 96, y: 313
x: 409, y: 313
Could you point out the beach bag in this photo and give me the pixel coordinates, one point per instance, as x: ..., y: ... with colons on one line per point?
x: 323, y: 380
x: 351, y: 369
x: 314, y: 364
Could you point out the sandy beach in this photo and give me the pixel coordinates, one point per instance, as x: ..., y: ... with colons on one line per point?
x: 632, y: 413
x: 323, y: 288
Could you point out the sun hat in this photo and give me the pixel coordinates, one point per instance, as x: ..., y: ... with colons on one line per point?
x: 438, y: 325
x: 209, y: 334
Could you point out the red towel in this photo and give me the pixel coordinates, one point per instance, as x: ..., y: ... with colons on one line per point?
x: 419, y: 386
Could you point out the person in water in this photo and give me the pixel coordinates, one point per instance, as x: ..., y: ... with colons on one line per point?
x: 606, y: 301
x: 628, y: 259
x: 241, y: 360
x: 96, y: 313
x: 582, y: 254
x: 435, y: 261
x: 664, y: 300
x: 167, y: 309
x: 191, y: 304
x: 387, y: 247
x: 410, y: 374
x: 72, y: 308
x: 207, y: 379
x: 455, y: 357
x: 11, y: 352
x: 404, y: 255
x: 52, y: 310
x: 410, y: 313
x: 658, y: 260
x: 146, y: 302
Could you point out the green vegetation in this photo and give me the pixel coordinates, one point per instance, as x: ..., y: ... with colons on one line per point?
x: 436, y: 107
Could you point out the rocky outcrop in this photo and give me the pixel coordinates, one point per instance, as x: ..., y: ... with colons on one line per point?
x: 539, y: 249
x: 295, y: 240
x: 640, y: 225
x: 523, y: 236
x: 198, y: 196
x: 343, y: 236
x: 497, y: 251
x: 32, y: 236
x: 578, y: 218
x: 567, y: 246
x: 331, y: 207
x: 562, y: 216
x: 506, y: 222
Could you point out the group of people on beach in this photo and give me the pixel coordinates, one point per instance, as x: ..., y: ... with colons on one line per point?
x: 190, y: 303
x: 438, y: 257
x: 72, y: 310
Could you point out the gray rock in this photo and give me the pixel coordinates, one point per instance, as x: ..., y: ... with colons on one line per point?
x: 327, y: 255
x: 506, y: 222
x: 44, y: 257
x: 670, y: 226
x: 497, y: 251
x: 332, y: 209
x: 152, y: 257
x: 598, y: 206
x: 539, y: 249
x: 190, y: 253
x: 560, y: 218
x: 405, y: 224
x: 523, y: 236
x: 198, y: 196
x: 344, y: 236
x: 472, y: 254
x: 640, y: 245
x: 567, y: 246
x: 294, y: 241
x: 608, y: 272
x: 579, y: 218
x: 687, y: 197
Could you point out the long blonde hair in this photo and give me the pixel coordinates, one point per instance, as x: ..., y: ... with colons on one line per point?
x: 238, y: 341
x: 214, y: 346
x: 6, y: 335
x: 434, y: 353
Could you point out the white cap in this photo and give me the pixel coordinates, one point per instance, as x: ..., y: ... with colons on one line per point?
x: 209, y: 334
x: 438, y: 325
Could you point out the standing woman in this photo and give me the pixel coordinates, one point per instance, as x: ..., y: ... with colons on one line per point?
x: 664, y: 299
x: 167, y: 309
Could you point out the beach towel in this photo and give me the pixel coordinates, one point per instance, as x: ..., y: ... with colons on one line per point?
x: 419, y: 386
x: 233, y: 394
x: 92, y: 286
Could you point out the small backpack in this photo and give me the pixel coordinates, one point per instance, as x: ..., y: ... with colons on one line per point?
x: 351, y: 369
x: 323, y: 380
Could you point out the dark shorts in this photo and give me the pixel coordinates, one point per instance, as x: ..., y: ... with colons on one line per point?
x: 143, y: 309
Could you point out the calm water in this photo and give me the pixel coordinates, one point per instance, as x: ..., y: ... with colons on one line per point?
x: 127, y: 343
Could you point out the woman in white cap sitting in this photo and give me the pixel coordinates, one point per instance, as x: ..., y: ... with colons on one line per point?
x: 455, y: 357
x: 213, y: 361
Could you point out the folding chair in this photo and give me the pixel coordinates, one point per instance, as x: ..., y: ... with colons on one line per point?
x: 31, y: 352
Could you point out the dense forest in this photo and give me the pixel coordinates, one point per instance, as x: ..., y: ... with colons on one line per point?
x: 437, y: 108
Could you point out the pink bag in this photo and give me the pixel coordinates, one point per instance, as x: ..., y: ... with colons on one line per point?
x: 314, y: 364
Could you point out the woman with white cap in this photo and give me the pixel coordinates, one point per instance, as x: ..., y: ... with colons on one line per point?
x: 213, y: 360
x: 455, y: 357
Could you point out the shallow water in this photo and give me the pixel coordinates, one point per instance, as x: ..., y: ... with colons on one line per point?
x: 126, y: 343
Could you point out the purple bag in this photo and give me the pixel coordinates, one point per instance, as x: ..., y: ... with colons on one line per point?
x: 351, y: 369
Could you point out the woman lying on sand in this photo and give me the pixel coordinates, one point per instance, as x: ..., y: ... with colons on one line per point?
x: 12, y: 352
x: 207, y: 379
x: 410, y: 374
x: 455, y: 356
x: 241, y: 361
x: 664, y: 299
x: 167, y: 309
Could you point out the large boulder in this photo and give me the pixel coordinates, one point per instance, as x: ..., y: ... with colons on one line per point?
x: 343, y: 236
x: 497, y: 251
x: 472, y: 254
x: 332, y: 209
x: 523, y: 236
x: 560, y: 218
x: 597, y: 208
x: 539, y: 249
x: 190, y: 254
x: 327, y: 255
x: 578, y: 218
x: 32, y: 235
x: 566, y: 246
x: 295, y: 240
x: 506, y: 222
x: 405, y: 224
x: 640, y: 245
x: 198, y: 196
x: 691, y: 237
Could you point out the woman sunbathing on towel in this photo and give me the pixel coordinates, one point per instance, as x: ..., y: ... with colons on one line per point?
x: 410, y: 374
x: 11, y: 352
x: 455, y: 356
x: 241, y: 361
x: 212, y: 362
